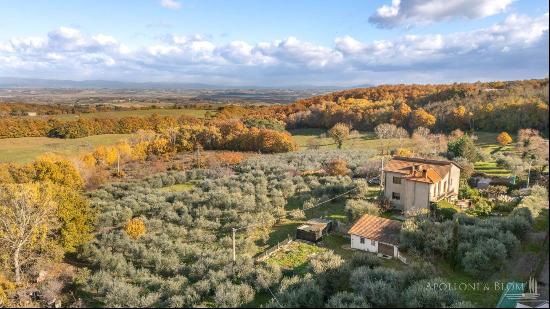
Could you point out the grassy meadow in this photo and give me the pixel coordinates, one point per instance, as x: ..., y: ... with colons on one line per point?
x: 25, y: 149
x: 357, y: 140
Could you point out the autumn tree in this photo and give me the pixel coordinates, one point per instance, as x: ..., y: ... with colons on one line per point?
x: 57, y: 170
x: 401, y: 114
x: 73, y: 213
x: 504, y: 139
x: 339, y: 133
x: 459, y: 117
x: 421, y: 118
x: 27, y: 217
x: 533, y: 148
x: 135, y: 228
x: 337, y: 167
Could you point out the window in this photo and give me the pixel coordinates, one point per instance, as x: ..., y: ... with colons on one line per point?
x: 397, y: 180
x: 373, y: 243
x: 362, y: 240
x: 395, y: 196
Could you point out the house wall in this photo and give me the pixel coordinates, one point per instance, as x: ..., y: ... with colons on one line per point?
x: 390, y: 187
x: 417, y: 196
x: 455, y: 178
x: 367, y: 246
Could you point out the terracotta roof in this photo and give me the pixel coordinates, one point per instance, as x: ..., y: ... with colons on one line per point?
x: 435, y: 170
x: 377, y: 228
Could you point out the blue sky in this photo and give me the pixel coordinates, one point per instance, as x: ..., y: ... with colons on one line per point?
x: 275, y: 43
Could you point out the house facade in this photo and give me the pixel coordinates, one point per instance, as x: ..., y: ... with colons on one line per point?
x: 377, y: 235
x: 411, y: 184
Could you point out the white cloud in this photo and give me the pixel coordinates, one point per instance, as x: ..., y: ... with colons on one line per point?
x: 516, y: 47
x: 171, y: 4
x: 412, y: 12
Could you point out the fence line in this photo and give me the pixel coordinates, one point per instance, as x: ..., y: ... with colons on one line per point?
x: 280, y: 245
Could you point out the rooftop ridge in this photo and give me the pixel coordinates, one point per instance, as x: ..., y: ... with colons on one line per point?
x: 422, y: 160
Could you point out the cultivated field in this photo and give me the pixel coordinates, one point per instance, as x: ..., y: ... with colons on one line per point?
x: 199, y: 113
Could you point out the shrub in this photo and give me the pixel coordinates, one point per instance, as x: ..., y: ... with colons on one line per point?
x: 228, y: 295
x: 464, y: 147
x: 357, y: 208
x: 135, y: 228
x: 363, y: 259
x: 306, y: 294
x: 347, y: 300
x: 467, y: 192
x: 445, y: 210
x: 484, y: 258
x: 297, y: 214
x: 325, y: 261
x: 337, y: 167
x: 481, y: 207
x: 432, y: 293
x: 380, y: 293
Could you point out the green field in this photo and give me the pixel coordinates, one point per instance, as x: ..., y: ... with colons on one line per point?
x: 25, y: 149
x: 199, y: 113
x: 295, y: 256
x: 487, y: 142
x: 359, y: 140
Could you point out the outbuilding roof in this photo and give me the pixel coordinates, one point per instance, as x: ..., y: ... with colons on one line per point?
x: 377, y: 228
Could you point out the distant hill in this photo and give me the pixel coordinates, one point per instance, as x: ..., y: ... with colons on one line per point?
x: 489, y: 106
x: 15, y: 82
x: 12, y: 82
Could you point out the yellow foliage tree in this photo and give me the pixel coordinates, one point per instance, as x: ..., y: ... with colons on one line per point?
x: 28, y: 219
x: 401, y: 114
x: 421, y: 118
x: 124, y: 150
x: 139, y: 151
x: 6, y: 287
x: 160, y: 146
x: 135, y: 228
x: 58, y: 170
x: 504, y: 139
x: 88, y: 160
x: 106, y: 155
x: 404, y: 152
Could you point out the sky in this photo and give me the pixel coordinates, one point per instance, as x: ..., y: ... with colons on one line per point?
x: 275, y: 42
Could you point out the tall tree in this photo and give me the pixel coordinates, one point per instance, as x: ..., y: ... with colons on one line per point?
x: 339, y: 133
x: 27, y: 215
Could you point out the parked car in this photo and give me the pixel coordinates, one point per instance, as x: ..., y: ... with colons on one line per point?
x: 374, y: 181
